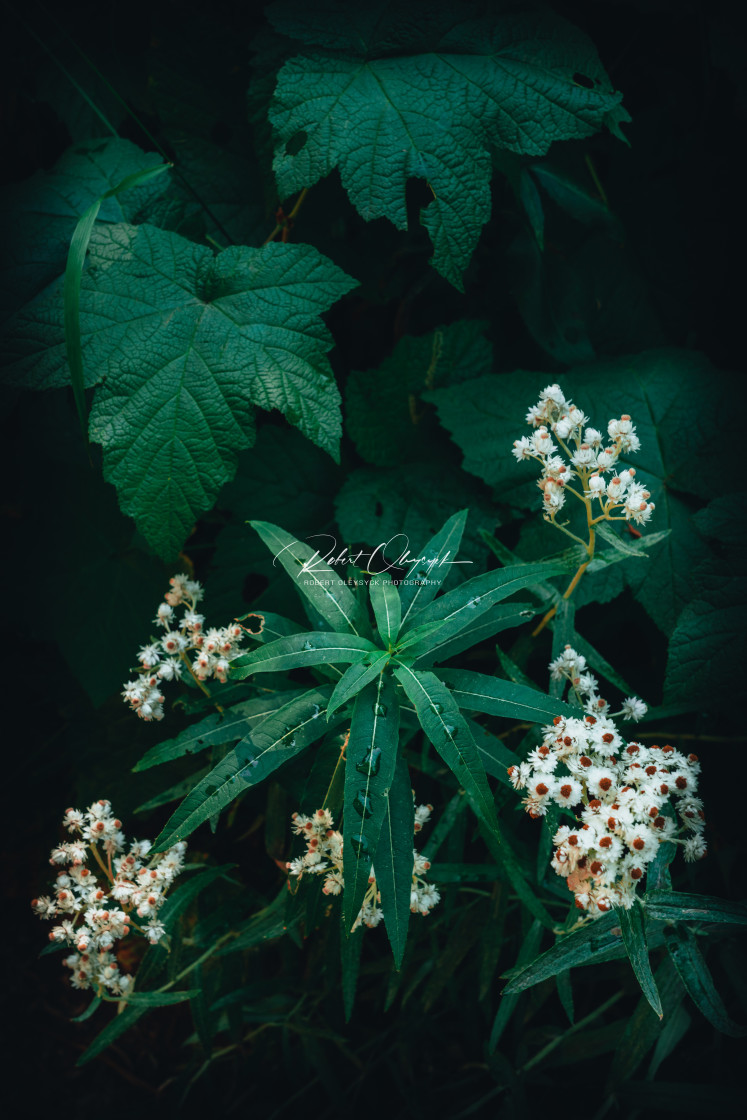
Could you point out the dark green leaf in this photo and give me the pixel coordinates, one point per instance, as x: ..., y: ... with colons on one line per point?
x: 447, y: 729
x: 327, y: 593
x: 394, y: 860
x: 695, y: 975
x: 431, y: 566
x: 300, y: 651
x: 462, y: 606
x: 387, y: 607
x: 479, y: 693
x: 569, y: 951
x: 216, y: 729
x: 160, y: 999
x: 633, y: 926
x: 505, y: 81
x: 371, y: 757
x: 356, y: 678
x: 677, y: 906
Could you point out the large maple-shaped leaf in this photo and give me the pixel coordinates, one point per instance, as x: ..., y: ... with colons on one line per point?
x: 188, y: 342
x: 386, y: 100
x: 675, y: 398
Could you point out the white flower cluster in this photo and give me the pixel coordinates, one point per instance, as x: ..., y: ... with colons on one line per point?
x: 585, y: 458
x: 626, y: 798
x: 323, y: 856
x: 95, y: 912
x: 165, y: 658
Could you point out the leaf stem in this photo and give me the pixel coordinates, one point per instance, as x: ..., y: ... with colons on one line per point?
x: 541, y: 1054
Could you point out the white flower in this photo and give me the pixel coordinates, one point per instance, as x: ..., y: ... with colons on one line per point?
x: 633, y: 708
x: 523, y: 448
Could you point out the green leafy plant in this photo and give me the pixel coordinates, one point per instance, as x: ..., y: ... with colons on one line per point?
x: 282, y: 282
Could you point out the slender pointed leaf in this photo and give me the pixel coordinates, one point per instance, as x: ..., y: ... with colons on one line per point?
x: 387, y: 607
x: 76, y: 259
x: 89, y: 1011
x: 696, y: 976
x: 355, y: 679
x: 111, y: 1032
x: 632, y: 924
x: 497, y: 697
x: 216, y: 729
x: 569, y: 951
x: 447, y: 729
x: 394, y: 860
x: 251, y: 762
x: 502, y: 852
x: 323, y: 587
x: 427, y: 572
x: 160, y: 999
x: 678, y: 906
x: 300, y: 651
x: 466, y: 603
x: 371, y: 757
x: 504, y: 616
x: 495, y: 757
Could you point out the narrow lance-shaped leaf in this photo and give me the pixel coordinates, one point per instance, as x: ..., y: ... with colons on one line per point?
x: 447, y: 729
x: 322, y: 586
x: 355, y: 679
x: 504, y: 616
x: 216, y: 729
x: 570, y: 950
x: 677, y: 906
x: 76, y: 260
x: 428, y: 571
x: 696, y: 976
x: 497, y: 697
x: 287, y: 732
x: 632, y: 924
x: 394, y: 859
x: 387, y: 607
x: 371, y: 758
x: 300, y: 651
x: 466, y: 603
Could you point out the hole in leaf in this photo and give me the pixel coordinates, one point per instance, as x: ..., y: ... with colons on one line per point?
x: 254, y: 623
x: 583, y: 80
x: 296, y: 142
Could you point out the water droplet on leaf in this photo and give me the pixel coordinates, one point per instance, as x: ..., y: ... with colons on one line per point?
x: 370, y: 763
x: 362, y: 804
